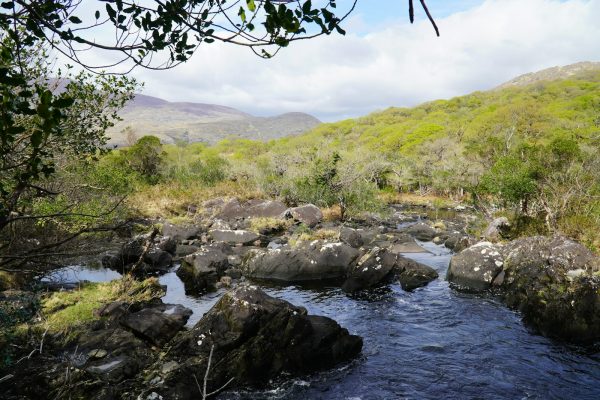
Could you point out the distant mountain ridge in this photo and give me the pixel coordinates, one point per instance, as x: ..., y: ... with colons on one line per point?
x: 198, y: 122
x: 553, y: 73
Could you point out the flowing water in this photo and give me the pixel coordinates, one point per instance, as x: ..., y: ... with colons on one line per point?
x: 433, y: 343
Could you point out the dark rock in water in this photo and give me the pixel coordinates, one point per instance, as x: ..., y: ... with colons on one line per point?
x: 312, y: 261
x: 158, y: 260
x: 351, y: 237
x: 476, y: 267
x: 373, y: 268
x: 496, y: 229
x: 201, y: 271
x: 308, y: 214
x: 413, y: 275
x: 234, y: 236
x: 554, y: 282
x: 158, y: 324
x: 457, y: 242
x: 255, y: 338
x: 422, y: 232
x: 180, y: 232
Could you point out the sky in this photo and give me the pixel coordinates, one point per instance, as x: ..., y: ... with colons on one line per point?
x: 385, y: 61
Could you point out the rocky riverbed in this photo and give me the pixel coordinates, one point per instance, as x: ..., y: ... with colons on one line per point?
x: 288, y: 306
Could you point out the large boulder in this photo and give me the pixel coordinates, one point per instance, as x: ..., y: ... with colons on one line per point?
x: 554, y: 282
x: 476, y: 267
x: 312, y: 261
x: 373, y: 268
x: 308, y: 214
x: 234, y: 209
x: 253, y: 338
x: 422, y: 231
x: 201, y: 270
x: 234, y: 237
x: 413, y: 275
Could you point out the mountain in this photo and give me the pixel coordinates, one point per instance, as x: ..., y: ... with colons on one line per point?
x: 197, y: 122
x: 550, y: 74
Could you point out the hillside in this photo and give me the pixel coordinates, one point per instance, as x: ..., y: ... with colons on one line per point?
x: 550, y: 74
x: 196, y: 122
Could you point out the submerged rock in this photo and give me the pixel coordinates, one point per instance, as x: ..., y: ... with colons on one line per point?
x: 312, y: 261
x: 253, y: 338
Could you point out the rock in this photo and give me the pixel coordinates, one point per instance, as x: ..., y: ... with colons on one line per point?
x: 496, y: 229
x: 97, y: 353
x: 185, y: 250
x: 158, y: 324
x: 372, y: 269
x: 220, y: 224
x: 457, y: 242
x: 554, y: 282
x: 114, y: 310
x: 406, y: 244
x: 167, y: 244
x: 308, y: 214
x: 422, y: 231
x: 201, y: 270
x: 180, y: 232
x: 476, y: 267
x: 351, y: 237
x: 234, y: 237
x: 158, y: 260
x: 266, y: 209
x: 413, y: 275
x: 255, y: 338
x: 313, y: 261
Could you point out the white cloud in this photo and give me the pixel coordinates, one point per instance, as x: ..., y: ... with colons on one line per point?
x: 398, y: 65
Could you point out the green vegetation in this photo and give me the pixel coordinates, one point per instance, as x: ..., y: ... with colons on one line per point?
x: 530, y: 153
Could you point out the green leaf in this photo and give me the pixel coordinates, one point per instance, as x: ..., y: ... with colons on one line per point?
x: 251, y: 5
x: 97, y: 14
x: 75, y: 20
x: 242, y: 14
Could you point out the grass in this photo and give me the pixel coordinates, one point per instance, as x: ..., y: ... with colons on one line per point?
x: 64, y: 312
x: 259, y: 225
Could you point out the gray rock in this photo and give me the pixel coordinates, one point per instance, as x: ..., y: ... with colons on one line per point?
x: 457, y: 242
x: 476, y: 267
x: 167, y: 244
x: 422, y: 231
x: 306, y: 262
x: 158, y: 260
x: 255, y: 338
x: 308, y: 214
x: 351, y: 237
x: 159, y: 324
x: 373, y: 268
x: 413, y: 275
x: 201, y: 270
x: 234, y: 237
x: 180, y: 232
x: 186, y: 249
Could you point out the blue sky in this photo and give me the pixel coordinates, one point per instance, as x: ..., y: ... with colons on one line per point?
x: 385, y: 61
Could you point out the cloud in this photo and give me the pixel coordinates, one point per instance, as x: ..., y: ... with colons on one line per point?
x: 396, y: 65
